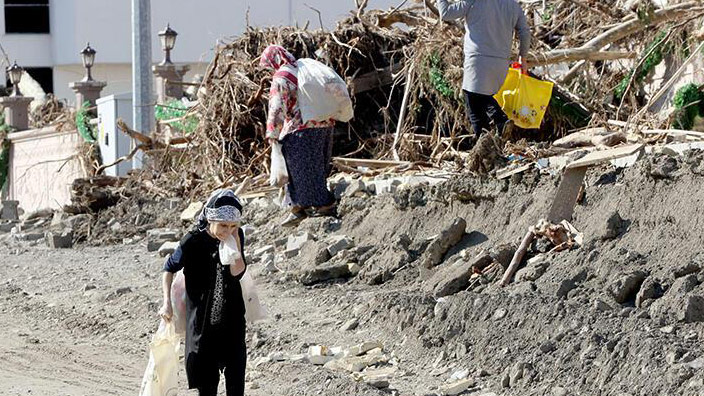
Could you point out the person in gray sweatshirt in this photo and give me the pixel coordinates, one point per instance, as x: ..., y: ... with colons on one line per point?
x: 489, y: 27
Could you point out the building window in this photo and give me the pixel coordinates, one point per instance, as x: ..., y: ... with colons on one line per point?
x: 42, y: 75
x: 26, y: 16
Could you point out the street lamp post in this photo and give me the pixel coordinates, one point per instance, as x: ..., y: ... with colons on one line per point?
x: 16, y: 106
x: 87, y: 90
x: 168, y: 40
x: 88, y: 57
x: 15, y: 74
x: 168, y: 75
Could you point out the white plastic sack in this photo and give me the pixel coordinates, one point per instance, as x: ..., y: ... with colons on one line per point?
x: 178, y: 303
x: 322, y: 93
x: 278, y: 174
x: 161, y: 376
x: 254, y: 310
x: 229, y: 251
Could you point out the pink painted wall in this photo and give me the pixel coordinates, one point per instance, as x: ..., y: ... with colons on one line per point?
x: 43, y: 164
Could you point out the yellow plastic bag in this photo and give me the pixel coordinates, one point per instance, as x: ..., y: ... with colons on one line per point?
x: 524, y: 99
x: 161, y: 376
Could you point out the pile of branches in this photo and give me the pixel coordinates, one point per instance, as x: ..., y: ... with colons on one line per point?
x: 601, y: 54
x: 232, y: 101
x: 53, y: 112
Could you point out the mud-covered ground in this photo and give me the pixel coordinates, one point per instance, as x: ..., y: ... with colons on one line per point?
x: 621, y: 315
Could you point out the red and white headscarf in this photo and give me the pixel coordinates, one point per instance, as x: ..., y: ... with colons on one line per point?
x: 275, y: 56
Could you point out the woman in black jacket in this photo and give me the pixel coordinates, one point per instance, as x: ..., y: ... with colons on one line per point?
x: 215, y: 322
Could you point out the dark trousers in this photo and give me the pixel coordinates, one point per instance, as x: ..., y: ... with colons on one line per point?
x: 481, y: 109
x: 234, y: 376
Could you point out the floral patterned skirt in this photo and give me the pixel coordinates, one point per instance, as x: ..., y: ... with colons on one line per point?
x: 308, y: 155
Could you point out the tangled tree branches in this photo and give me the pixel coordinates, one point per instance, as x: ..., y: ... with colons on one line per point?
x: 598, y: 46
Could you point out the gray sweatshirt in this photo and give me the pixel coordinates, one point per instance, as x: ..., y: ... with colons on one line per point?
x: 489, y: 27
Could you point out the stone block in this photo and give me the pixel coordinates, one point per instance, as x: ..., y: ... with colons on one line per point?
x: 193, y: 210
x: 339, y: 243
x: 456, y: 388
x: 447, y: 238
x: 259, y: 253
x: 167, y: 248
x: 9, y: 210
x: 296, y: 241
x: 59, y: 239
x: 356, y: 187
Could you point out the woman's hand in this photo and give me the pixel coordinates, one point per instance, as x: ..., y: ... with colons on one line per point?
x: 166, y: 312
x: 237, y: 268
x: 524, y: 65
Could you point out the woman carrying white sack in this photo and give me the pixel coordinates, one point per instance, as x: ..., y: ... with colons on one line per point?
x: 215, y: 309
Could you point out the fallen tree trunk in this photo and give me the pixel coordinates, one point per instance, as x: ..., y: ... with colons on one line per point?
x: 578, y: 54
x: 592, y: 49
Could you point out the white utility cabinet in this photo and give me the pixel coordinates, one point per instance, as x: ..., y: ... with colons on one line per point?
x: 113, y: 142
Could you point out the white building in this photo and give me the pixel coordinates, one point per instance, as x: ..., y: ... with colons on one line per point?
x: 46, y: 36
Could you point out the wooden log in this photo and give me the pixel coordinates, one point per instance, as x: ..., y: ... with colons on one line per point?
x: 368, y: 81
x: 596, y: 157
x: 404, y: 111
x: 517, y: 258
x: 578, y: 54
x: 243, y: 186
x: 591, y: 50
x: 368, y: 163
x: 121, y: 159
x: 146, y: 140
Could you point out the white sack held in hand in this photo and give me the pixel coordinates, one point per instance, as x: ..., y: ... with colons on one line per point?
x: 278, y: 174
x: 161, y: 376
x: 178, y: 303
x: 254, y: 310
x: 229, y: 251
x: 322, y: 93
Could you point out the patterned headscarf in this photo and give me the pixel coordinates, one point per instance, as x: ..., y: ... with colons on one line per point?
x: 222, y: 205
x: 275, y: 56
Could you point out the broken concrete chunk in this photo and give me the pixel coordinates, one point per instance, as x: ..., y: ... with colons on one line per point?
x: 650, y: 289
x: 615, y: 226
x: 339, y: 243
x: 362, y: 348
x: 457, y: 387
x: 193, y: 210
x: 157, y: 237
x: 626, y: 286
x: 693, y: 309
x: 257, y: 253
x: 503, y: 253
x: 356, y: 187
x: 350, y: 325
x: 9, y: 210
x: 313, y: 274
x: 534, y: 269
x: 663, y: 167
x: 355, y: 364
x: 295, y: 242
x: 59, y: 239
x: 319, y: 355
x: 448, y: 238
x: 167, y: 248
x: 451, y: 280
